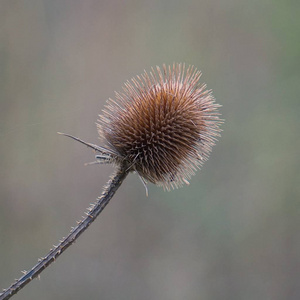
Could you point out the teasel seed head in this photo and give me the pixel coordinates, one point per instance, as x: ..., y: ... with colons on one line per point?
x: 163, y: 125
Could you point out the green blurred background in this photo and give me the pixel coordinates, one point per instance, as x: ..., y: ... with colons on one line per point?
x: 233, y: 233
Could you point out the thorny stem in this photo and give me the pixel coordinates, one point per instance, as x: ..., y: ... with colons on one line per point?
x: 95, y: 209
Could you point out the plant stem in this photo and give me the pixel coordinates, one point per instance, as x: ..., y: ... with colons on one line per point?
x: 108, y: 192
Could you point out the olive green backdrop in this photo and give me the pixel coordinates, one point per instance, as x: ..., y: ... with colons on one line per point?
x: 233, y: 233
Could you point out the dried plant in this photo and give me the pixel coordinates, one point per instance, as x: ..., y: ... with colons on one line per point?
x: 162, y: 126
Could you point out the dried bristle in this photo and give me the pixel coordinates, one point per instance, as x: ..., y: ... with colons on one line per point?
x: 163, y: 124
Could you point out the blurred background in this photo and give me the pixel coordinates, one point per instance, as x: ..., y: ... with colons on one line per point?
x: 233, y: 233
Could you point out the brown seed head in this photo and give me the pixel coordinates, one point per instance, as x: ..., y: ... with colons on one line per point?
x: 163, y: 125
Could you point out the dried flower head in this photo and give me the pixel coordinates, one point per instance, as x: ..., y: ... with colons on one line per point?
x: 163, y: 125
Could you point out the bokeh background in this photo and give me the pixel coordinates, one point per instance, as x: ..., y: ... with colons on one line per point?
x: 233, y: 233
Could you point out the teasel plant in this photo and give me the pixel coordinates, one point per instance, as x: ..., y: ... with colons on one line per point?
x: 162, y: 127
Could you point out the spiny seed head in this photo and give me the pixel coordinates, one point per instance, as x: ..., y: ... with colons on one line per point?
x: 163, y: 125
